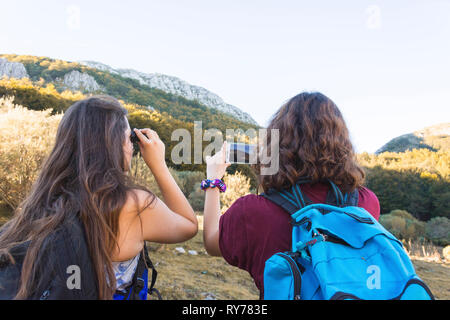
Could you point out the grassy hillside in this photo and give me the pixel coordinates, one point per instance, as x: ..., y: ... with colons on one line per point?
x: 44, y: 71
x: 417, y: 181
x: 436, y: 275
x: 198, y: 277
x: 433, y: 138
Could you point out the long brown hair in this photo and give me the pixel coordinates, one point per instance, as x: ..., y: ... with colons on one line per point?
x: 84, y: 175
x: 314, y: 143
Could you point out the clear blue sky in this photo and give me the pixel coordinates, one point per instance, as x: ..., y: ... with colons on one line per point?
x: 385, y: 63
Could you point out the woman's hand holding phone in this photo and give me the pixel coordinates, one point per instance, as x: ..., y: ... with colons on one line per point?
x: 217, y: 165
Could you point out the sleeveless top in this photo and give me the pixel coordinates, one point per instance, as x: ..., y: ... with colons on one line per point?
x: 124, y: 272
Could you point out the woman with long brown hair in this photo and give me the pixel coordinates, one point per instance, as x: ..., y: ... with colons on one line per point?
x: 86, y: 177
x: 314, y: 145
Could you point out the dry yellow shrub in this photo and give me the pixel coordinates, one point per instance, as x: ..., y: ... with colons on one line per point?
x: 27, y: 139
x: 238, y: 185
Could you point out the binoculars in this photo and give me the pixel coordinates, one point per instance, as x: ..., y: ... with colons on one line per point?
x: 134, y: 138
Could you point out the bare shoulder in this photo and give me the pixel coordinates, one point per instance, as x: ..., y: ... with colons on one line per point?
x: 138, y: 199
x: 129, y: 237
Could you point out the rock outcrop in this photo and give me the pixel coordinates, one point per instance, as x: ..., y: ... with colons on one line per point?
x: 12, y: 69
x: 178, y: 87
x: 76, y: 80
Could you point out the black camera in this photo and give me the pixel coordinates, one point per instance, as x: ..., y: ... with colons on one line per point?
x: 134, y: 138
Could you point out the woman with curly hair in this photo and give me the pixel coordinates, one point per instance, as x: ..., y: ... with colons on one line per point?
x: 314, y: 144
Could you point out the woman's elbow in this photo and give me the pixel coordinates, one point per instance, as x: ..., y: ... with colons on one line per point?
x: 212, y: 246
x: 191, y: 231
x: 213, y: 251
x: 194, y: 230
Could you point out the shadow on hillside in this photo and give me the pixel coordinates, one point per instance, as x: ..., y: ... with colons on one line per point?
x: 423, y: 195
x: 404, y: 143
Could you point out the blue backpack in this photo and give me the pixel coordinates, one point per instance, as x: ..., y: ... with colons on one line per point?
x: 339, y: 251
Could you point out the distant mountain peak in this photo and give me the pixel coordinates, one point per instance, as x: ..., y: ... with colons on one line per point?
x: 177, y: 86
x: 99, y: 66
x: 433, y: 138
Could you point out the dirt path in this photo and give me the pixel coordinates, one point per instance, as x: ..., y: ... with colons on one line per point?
x: 436, y: 276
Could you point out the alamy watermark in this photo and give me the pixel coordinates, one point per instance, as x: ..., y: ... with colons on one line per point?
x: 373, y: 21
x: 73, y: 20
x: 267, y: 156
x: 74, y: 279
x: 374, y: 279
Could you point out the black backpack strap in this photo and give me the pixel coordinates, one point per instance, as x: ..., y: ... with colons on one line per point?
x: 352, y: 198
x: 337, y: 198
x: 138, y: 281
x: 132, y: 292
x: 284, y: 201
x: 150, y: 265
x: 293, y: 199
x: 144, y: 263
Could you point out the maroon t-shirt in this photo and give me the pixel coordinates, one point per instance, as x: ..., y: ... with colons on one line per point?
x: 254, y: 228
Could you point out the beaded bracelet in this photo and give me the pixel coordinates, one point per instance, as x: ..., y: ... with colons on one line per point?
x: 212, y: 184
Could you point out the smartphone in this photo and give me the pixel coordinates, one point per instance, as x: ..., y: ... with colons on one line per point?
x: 241, y: 153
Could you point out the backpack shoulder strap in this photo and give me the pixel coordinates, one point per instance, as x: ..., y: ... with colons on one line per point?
x: 283, y: 200
x: 141, y: 276
x: 352, y: 198
x: 293, y: 200
x: 335, y: 197
x: 150, y: 265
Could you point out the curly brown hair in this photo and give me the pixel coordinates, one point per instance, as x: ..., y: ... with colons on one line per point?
x: 314, y: 143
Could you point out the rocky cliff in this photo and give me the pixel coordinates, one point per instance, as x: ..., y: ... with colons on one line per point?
x: 76, y: 80
x: 12, y: 69
x: 177, y: 86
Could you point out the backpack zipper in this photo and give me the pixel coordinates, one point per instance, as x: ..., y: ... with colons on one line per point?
x: 343, y: 295
x: 295, y: 272
x: 418, y: 282
x: 328, y: 236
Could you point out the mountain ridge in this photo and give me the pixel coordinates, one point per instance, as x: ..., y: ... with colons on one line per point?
x: 175, y: 85
x: 435, y: 137
x: 81, y: 76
